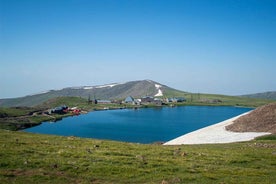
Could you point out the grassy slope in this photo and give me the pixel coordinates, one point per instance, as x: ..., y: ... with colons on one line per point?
x: 69, y: 101
x: 18, y: 118
x: 27, y: 100
x: 31, y: 158
x: 197, y: 98
x: 14, y: 118
x: 266, y: 95
x: 13, y: 112
x: 233, y: 100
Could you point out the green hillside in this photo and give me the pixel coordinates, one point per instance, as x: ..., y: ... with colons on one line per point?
x: 69, y: 101
x: 198, y: 98
x: 29, y: 101
x: 32, y: 158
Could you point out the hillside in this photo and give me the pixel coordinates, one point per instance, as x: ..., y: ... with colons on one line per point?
x: 262, y: 119
x: 271, y: 95
x: 33, y: 158
x: 109, y: 91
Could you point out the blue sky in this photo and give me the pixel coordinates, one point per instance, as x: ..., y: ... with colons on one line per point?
x: 210, y: 46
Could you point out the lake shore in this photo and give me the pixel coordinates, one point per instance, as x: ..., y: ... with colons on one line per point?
x: 215, y: 134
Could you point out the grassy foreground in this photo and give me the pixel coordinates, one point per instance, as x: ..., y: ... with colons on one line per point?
x: 32, y: 158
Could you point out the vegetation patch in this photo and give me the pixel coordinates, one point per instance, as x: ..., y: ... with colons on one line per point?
x: 267, y: 137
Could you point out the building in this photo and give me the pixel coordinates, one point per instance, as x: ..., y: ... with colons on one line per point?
x: 60, y: 110
x: 157, y: 102
x: 147, y: 99
x: 103, y: 102
x: 176, y: 99
x: 129, y: 100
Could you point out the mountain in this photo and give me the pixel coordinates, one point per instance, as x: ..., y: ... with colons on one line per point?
x: 136, y: 89
x: 271, y: 95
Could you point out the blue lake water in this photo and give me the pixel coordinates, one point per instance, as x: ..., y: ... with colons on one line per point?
x: 146, y: 125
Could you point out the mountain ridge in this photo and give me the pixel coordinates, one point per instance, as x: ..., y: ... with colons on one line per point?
x: 270, y: 95
x: 136, y: 89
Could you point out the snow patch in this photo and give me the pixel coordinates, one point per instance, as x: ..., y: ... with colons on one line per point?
x: 108, y: 85
x: 88, y: 87
x: 159, y: 93
x: 40, y: 93
x: 158, y: 86
x: 215, y: 134
x: 102, y: 86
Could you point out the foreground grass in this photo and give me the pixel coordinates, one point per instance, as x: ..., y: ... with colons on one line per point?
x: 32, y: 158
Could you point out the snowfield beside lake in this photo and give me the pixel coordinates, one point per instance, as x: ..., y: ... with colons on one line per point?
x: 215, y: 134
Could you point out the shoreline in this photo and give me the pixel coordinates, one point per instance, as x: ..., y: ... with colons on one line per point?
x: 216, y: 133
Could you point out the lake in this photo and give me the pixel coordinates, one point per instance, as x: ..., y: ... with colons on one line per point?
x: 145, y: 125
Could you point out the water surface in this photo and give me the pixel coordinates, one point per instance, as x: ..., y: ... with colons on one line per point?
x: 146, y: 125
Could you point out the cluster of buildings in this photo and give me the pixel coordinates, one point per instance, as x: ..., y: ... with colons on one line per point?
x: 151, y: 100
x: 146, y: 100
x: 64, y: 109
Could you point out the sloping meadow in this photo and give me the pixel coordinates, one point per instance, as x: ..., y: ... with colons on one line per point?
x: 32, y: 158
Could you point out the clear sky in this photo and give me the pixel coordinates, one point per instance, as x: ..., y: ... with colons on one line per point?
x: 210, y: 46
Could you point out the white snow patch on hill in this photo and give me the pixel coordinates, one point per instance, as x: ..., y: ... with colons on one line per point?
x: 88, y: 87
x: 108, y: 85
x: 42, y: 92
x: 103, y: 86
x: 159, y: 93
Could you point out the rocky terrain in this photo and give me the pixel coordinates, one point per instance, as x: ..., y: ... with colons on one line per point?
x: 262, y: 119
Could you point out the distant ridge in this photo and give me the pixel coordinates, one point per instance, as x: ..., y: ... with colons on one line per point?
x: 136, y: 89
x: 270, y: 95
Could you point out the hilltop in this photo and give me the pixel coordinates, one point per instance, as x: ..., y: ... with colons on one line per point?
x: 262, y: 119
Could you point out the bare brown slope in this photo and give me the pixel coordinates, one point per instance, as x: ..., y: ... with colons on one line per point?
x: 262, y: 119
